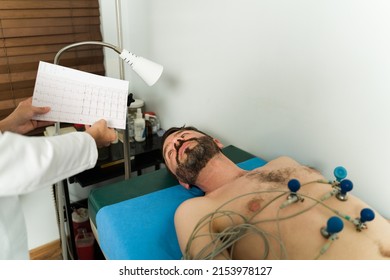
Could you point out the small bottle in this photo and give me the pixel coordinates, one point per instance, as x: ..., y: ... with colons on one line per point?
x: 85, y: 244
x: 139, y: 127
x: 155, y: 122
x: 148, y: 127
x: 131, y: 128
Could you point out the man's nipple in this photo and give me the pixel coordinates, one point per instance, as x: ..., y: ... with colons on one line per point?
x: 254, y: 205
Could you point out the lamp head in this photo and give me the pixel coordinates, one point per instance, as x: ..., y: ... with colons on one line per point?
x: 149, y: 71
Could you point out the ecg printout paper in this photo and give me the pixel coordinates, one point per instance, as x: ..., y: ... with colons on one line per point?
x: 79, y: 97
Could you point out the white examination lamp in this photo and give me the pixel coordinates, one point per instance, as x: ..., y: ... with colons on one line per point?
x: 150, y: 72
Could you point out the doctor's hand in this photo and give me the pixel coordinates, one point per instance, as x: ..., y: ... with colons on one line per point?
x: 102, y: 134
x: 20, y: 120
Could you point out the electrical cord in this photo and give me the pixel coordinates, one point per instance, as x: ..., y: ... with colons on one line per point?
x: 223, y: 243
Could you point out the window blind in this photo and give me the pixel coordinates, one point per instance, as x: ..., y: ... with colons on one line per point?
x: 31, y: 31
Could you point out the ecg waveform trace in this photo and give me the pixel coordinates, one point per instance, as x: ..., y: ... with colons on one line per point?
x: 79, y: 97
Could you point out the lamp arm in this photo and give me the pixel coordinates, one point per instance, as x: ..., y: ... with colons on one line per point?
x: 59, y: 53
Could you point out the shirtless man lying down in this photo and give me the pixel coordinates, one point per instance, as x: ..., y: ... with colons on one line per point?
x: 254, y: 215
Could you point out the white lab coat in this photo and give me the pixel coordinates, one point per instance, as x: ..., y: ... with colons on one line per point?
x: 31, y: 163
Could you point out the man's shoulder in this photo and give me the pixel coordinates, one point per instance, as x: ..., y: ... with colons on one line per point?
x: 192, y: 202
x: 281, y: 161
x: 194, y: 207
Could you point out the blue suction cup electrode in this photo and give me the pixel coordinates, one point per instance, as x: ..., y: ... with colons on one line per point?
x: 345, y: 186
x: 367, y: 215
x: 340, y: 173
x: 294, y: 185
x: 334, y: 225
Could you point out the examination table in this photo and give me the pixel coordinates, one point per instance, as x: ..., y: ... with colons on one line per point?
x: 133, y: 219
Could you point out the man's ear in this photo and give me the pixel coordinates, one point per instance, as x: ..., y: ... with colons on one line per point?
x: 219, y: 144
x: 185, y: 185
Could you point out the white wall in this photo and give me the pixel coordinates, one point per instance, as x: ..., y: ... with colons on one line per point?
x: 307, y: 79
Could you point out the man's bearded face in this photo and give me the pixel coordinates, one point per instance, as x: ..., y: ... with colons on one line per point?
x: 197, y: 158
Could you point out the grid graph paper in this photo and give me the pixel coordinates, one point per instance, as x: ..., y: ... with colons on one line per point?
x: 79, y: 97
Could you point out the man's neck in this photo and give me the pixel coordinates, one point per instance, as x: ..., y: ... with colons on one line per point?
x: 219, y: 171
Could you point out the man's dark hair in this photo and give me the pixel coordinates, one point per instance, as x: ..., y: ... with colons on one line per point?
x: 175, y: 129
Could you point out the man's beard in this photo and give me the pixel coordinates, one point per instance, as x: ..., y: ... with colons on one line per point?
x: 197, y: 158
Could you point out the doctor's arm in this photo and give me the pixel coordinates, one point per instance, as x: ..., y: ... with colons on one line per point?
x: 31, y: 163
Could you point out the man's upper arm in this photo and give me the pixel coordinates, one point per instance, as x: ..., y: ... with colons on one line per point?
x: 195, y: 237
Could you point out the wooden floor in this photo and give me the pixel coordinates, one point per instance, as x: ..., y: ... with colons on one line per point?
x: 50, y: 251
